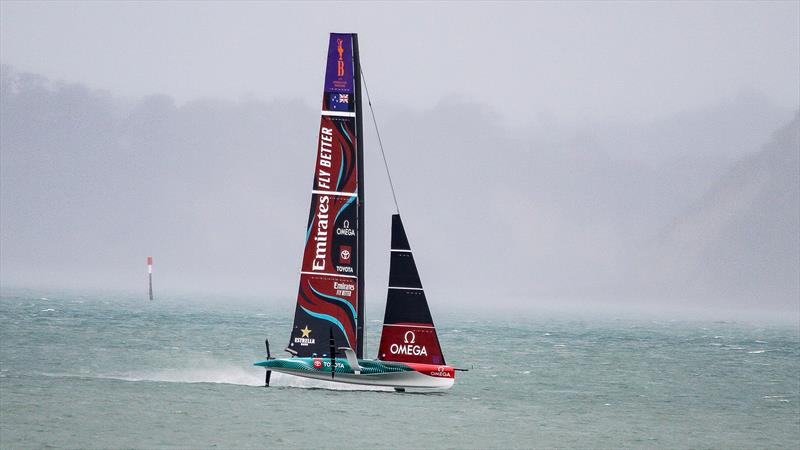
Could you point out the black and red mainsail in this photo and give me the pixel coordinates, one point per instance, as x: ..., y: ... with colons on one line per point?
x: 330, y: 297
x: 408, y: 331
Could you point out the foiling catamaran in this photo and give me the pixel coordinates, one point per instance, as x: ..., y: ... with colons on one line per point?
x: 330, y: 301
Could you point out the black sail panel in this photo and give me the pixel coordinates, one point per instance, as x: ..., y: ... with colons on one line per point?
x: 399, y: 239
x: 407, y: 306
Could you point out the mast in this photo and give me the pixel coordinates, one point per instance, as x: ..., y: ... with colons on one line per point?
x: 360, y: 164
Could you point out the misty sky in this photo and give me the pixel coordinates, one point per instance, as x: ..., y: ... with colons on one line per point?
x: 530, y: 62
x: 626, y: 152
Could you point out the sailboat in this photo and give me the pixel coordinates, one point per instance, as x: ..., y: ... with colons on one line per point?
x: 327, y: 338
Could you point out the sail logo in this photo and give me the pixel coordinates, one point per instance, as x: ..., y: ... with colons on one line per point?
x: 321, y: 237
x: 345, y: 254
x: 339, y: 70
x: 340, y: 62
x: 345, y: 230
x: 408, y: 347
x: 317, y: 363
x: 442, y: 371
x: 344, y: 289
x: 325, y: 155
x: 305, y: 340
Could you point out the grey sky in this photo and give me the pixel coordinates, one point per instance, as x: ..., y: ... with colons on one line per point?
x: 624, y: 152
x: 528, y: 61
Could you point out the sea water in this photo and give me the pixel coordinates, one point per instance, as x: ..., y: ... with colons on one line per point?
x: 111, y: 371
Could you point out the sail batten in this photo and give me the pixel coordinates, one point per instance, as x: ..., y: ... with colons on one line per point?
x: 329, y: 297
x: 344, y: 194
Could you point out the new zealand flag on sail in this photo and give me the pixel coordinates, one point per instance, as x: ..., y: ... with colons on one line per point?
x: 338, y: 102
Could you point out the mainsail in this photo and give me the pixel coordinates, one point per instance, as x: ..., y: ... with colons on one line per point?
x: 408, y: 331
x: 331, y: 282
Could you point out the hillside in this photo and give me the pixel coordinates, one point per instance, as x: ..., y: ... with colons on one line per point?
x: 741, y: 240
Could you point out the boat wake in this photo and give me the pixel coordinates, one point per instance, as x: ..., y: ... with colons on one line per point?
x: 219, y: 375
x: 238, y: 376
x: 234, y: 375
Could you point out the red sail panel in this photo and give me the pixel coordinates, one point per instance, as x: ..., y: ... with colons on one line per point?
x: 327, y: 298
x: 410, y: 343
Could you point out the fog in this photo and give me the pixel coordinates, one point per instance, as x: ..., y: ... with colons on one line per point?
x: 615, y: 156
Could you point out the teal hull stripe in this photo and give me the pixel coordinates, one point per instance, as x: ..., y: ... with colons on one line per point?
x: 368, y: 366
x: 341, y: 300
x: 330, y: 319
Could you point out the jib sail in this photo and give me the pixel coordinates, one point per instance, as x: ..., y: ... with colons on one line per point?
x: 330, y: 293
x: 408, y: 331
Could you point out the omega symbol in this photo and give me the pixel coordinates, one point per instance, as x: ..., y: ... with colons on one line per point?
x: 346, y: 224
x: 406, y: 339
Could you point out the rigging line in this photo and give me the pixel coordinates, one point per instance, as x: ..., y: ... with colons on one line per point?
x: 380, y: 142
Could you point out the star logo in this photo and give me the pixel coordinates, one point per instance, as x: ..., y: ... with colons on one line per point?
x: 306, y: 332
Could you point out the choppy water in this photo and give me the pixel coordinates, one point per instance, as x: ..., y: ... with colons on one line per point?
x: 107, y: 371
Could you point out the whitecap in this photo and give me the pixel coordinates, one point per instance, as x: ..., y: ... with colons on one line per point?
x: 48, y: 310
x: 757, y: 351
